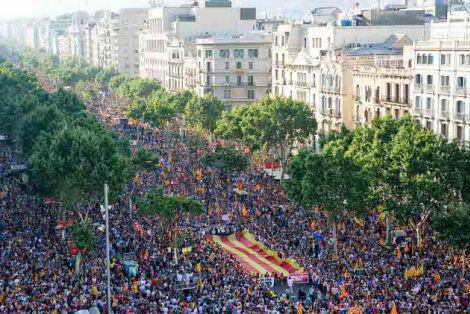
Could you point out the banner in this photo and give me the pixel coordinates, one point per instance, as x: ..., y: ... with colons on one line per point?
x: 299, y: 277
x: 253, y: 255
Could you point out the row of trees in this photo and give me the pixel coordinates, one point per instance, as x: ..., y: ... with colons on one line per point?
x: 69, y: 155
x: 407, y: 172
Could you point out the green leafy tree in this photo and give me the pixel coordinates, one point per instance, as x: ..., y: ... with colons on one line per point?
x: 203, y: 112
x: 277, y: 123
x: 74, y: 162
x: 332, y: 180
x: 43, y: 118
x: 145, y: 160
x: 226, y: 159
x: 452, y: 224
x: 67, y: 101
x: 430, y: 174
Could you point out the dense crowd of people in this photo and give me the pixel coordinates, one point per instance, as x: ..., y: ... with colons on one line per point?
x: 38, y: 273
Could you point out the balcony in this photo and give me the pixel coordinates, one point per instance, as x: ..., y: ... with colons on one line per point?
x: 330, y: 89
x: 445, y: 89
x: 460, y: 116
x: 330, y: 113
x: 444, y: 114
x: 301, y: 84
x: 461, y: 91
x: 417, y: 111
x: 428, y: 88
x: 428, y: 113
x: 419, y: 88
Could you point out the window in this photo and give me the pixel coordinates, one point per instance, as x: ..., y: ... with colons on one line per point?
x: 459, y: 132
x: 461, y: 82
x: 239, y: 80
x: 443, y: 105
x: 238, y: 53
x: 459, y: 107
x: 445, y: 80
x: 419, y: 59
x: 462, y: 59
x: 251, y: 94
x: 418, y: 102
x: 208, y: 53
x: 252, y: 53
x: 227, y: 93
x: 418, y: 79
x: 239, y: 65
x: 225, y: 53
x: 227, y: 65
x: 209, y: 67
x: 430, y: 59
x: 227, y: 79
x: 468, y: 60
x: 425, y: 59
x: 443, y: 59
x: 250, y: 65
x: 444, y: 129
x: 199, y: 53
x: 428, y: 103
x: 428, y: 125
x: 250, y: 80
x: 429, y: 80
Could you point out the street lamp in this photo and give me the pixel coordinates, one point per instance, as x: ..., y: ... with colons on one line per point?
x: 108, y: 272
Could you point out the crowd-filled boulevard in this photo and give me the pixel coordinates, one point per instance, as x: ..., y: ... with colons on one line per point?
x: 38, y: 272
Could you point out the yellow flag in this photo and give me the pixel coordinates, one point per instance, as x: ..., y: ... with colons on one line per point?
x: 394, y: 309
x: 136, y: 287
x: 198, y: 267
x: 313, y: 225
x: 94, y: 291
x: 244, y: 211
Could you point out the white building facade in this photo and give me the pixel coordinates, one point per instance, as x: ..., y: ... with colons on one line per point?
x: 441, y: 87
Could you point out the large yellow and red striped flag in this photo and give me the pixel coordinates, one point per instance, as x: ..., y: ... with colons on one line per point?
x: 253, y: 255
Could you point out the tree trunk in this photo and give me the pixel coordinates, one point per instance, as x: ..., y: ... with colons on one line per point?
x: 335, y: 238
x: 388, y: 238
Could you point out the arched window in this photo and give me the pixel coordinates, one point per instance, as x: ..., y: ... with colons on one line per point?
x: 418, y: 59
x: 425, y: 59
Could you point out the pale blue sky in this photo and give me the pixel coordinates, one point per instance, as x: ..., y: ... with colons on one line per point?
x: 10, y: 9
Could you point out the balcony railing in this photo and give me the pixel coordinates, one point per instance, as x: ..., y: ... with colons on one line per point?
x: 301, y: 84
x: 330, y: 113
x: 429, y: 88
x: 461, y: 116
x: 427, y: 112
x: 417, y: 111
x: 444, y: 89
x: 395, y: 100
x: 461, y: 91
x: 444, y: 114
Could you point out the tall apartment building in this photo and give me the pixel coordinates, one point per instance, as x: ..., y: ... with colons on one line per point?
x: 441, y: 91
x: 235, y: 69
x: 71, y: 42
x: 382, y: 85
x: 176, y: 40
x: 113, y: 41
x: 314, y: 62
x: 38, y: 35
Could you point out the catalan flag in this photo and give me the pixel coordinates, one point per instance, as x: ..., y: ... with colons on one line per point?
x: 254, y: 256
x: 355, y: 310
